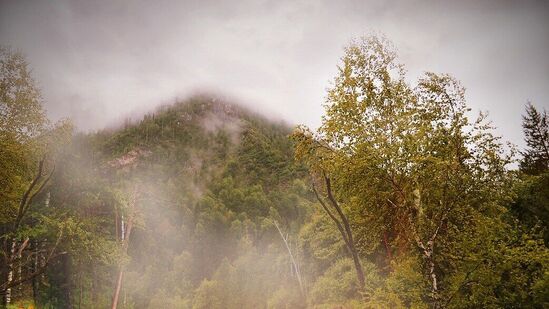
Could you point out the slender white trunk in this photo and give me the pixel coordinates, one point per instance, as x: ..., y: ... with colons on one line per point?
x: 122, y: 228
x: 429, y: 256
x: 19, y: 272
x: 433, y: 278
x: 428, y: 252
x: 126, y: 230
x: 10, y: 273
x: 292, y: 259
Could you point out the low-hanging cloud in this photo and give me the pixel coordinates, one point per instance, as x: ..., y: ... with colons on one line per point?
x: 100, y: 61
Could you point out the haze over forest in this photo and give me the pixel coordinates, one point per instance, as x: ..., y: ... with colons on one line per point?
x: 274, y: 154
x: 99, y: 62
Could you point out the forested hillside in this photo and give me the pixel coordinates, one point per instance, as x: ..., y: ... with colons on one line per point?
x: 398, y: 200
x: 197, y: 188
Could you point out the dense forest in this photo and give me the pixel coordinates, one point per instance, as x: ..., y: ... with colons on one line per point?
x: 398, y: 200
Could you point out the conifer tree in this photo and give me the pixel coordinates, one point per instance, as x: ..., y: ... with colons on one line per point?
x: 536, y: 130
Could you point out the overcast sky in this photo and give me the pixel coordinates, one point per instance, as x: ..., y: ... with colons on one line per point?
x: 97, y: 61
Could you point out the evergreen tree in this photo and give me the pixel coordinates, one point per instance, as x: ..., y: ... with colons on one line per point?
x: 536, y: 130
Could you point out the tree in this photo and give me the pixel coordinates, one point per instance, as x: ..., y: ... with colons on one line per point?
x: 21, y: 113
x: 295, y: 264
x: 317, y: 154
x: 125, y: 234
x: 412, y: 173
x: 29, y: 144
x: 531, y: 205
x: 536, y: 129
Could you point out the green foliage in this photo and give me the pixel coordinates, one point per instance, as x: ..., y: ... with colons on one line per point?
x: 210, y: 176
x: 22, y: 115
x: 163, y: 300
x: 336, y: 285
x: 531, y: 205
x: 403, y: 287
x: 29, y: 151
x: 536, y: 130
x: 14, y: 172
x: 438, y: 218
x: 504, y: 275
x: 420, y: 182
x: 285, y: 298
x: 208, y: 296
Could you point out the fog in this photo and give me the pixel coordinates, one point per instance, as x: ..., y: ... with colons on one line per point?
x: 98, y: 62
x: 188, y: 185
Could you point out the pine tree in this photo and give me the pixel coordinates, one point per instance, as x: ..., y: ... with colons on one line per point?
x: 535, y: 126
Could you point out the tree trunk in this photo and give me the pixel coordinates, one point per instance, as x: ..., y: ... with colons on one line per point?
x: 428, y: 254
x: 433, y: 279
x: 35, y: 269
x: 292, y: 259
x: 10, y: 273
x: 389, y: 254
x: 67, y: 284
x: 94, y: 285
x: 352, y: 248
x: 359, y: 271
x: 125, y: 241
x: 81, y: 291
x: 117, y: 288
x: 433, y: 275
x: 20, y: 273
x: 344, y: 228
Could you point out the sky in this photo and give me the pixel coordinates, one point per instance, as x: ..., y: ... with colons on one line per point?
x: 99, y: 62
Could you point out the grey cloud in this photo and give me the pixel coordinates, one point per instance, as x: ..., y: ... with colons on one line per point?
x: 99, y: 61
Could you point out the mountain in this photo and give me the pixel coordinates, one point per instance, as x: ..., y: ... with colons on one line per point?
x: 202, y: 182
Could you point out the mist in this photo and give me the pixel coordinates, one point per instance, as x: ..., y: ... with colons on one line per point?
x: 97, y: 63
x: 274, y: 154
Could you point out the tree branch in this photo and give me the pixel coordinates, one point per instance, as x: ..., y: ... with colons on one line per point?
x: 9, y: 284
x: 339, y: 211
x: 331, y: 215
x: 24, y: 199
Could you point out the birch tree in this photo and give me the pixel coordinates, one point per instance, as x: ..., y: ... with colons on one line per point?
x: 28, y: 146
x: 405, y: 165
